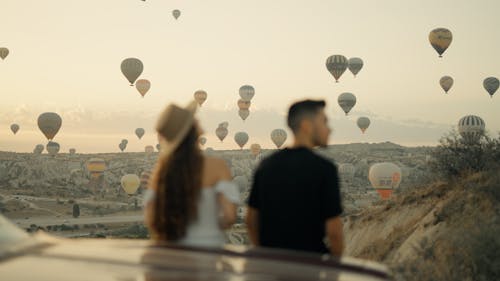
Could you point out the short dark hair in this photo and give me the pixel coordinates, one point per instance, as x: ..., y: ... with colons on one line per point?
x: 301, y: 110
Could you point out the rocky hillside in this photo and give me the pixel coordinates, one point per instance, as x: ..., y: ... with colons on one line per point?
x: 444, y: 231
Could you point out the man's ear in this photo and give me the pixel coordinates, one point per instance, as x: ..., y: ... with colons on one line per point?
x: 306, y: 126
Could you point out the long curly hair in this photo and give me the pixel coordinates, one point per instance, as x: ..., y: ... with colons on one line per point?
x: 177, y: 182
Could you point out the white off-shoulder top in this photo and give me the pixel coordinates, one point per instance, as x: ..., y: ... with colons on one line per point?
x: 205, y: 231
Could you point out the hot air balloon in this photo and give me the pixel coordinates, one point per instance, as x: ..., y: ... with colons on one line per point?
x: 255, y: 149
x: 200, y: 96
x: 347, y: 102
x: 72, y: 151
x: 52, y: 148
x: 355, y: 65
x: 241, y: 138
x: 446, y: 83
x: 142, y: 85
x: 385, y: 177
x: 4, y: 52
x: 491, y: 85
x: 244, y: 113
x: 125, y: 141
x: 132, y: 68
x: 149, y: 149
x: 158, y: 147
x: 14, y: 128
x: 242, y: 105
x: 440, y: 39
x: 347, y: 171
x: 203, y: 140
x: 96, y: 167
x: 130, y: 183
x: 247, y: 92
x: 471, y: 128
x: 278, y: 136
x: 363, y: 123
x: 336, y: 64
x: 49, y: 123
x: 145, y: 176
x: 122, y: 146
x: 224, y: 124
x: 176, y: 14
x: 38, y: 149
x: 139, y: 132
x: 221, y: 133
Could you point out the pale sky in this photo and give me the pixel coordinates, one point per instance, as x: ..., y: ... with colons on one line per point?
x: 65, y: 57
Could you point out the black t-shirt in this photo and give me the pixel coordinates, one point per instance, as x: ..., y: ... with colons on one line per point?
x: 295, y: 192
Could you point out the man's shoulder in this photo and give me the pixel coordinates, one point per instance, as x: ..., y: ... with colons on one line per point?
x: 307, y: 157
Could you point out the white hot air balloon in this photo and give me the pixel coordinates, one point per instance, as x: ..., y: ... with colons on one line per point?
x: 221, y: 133
x: 491, y: 84
x: 139, y: 132
x: 143, y: 86
x: 347, y: 102
x: 132, y: 68
x: 244, y: 113
x: 363, y: 123
x: 336, y: 65
x: 130, y: 183
x: 4, y: 52
x: 385, y: 177
x: 278, y: 136
x: 241, y: 138
x: 246, y: 92
x: 471, y: 128
x: 355, y: 65
x: 176, y: 14
x: 446, y: 83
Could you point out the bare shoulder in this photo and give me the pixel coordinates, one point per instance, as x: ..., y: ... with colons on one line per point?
x: 218, y: 166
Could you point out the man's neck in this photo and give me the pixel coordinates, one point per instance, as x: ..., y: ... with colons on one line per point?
x: 303, y: 141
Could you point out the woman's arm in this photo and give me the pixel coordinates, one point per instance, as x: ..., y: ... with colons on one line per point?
x: 227, y: 215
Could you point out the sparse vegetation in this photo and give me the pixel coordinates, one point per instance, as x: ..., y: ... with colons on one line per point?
x: 454, y: 157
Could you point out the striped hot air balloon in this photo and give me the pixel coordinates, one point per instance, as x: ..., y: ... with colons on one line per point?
x: 471, y: 128
x: 337, y: 65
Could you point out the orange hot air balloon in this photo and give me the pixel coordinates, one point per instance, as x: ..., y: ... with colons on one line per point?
x: 143, y: 86
x: 244, y: 105
x: 96, y: 167
x: 255, y: 149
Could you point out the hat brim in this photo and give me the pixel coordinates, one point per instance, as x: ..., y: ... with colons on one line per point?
x: 168, y: 147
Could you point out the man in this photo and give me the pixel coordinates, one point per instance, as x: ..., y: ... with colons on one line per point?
x: 295, y: 199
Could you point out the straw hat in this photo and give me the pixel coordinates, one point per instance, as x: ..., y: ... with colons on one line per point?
x: 174, y: 124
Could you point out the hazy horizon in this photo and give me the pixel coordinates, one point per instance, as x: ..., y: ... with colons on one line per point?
x: 65, y: 57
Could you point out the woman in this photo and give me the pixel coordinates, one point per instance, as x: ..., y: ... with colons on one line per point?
x: 192, y: 198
